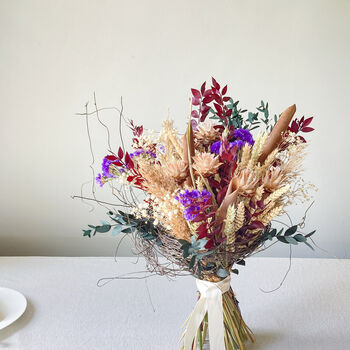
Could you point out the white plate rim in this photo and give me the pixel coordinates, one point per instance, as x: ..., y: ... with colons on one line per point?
x: 8, y: 321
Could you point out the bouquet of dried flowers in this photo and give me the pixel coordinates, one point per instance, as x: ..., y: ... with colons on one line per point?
x: 205, y: 200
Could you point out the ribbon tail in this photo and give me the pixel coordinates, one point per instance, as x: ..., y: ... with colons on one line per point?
x: 194, y: 322
x: 216, y: 322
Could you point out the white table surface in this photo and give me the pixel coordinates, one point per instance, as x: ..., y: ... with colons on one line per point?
x: 66, y: 310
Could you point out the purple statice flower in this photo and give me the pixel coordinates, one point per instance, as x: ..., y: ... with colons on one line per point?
x: 99, y: 180
x: 162, y: 148
x: 238, y: 143
x: 240, y: 138
x: 215, y: 147
x: 243, y: 135
x: 142, y: 151
x: 105, y: 167
x: 193, y: 201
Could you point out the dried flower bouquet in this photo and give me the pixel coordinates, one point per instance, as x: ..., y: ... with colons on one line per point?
x: 209, y: 197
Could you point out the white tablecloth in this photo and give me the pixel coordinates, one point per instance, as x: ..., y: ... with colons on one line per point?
x: 66, y: 309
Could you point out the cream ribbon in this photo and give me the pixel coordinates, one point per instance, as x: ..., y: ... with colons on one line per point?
x: 210, y: 301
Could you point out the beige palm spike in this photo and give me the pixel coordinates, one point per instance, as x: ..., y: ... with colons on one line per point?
x: 275, y: 136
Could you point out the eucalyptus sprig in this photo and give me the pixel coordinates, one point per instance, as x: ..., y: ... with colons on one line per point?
x: 290, y: 236
x: 126, y: 223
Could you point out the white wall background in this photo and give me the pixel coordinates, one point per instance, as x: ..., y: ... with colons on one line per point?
x: 55, y: 54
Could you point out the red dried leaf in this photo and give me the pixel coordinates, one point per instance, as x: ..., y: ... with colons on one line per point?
x: 226, y: 99
x: 111, y: 158
x: 217, y: 230
x: 117, y: 163
x: 294, y: 127
x: 202, y: 234
x: 256, y: 224
x: 209, y: 244
x: 224, y: 90
x: 202, y: 228
x: 307, y: 129
x: 218, y: 108
x: 307, y: 121
x: 260, y: 204
x: 203, y: 116
x: 228, y: 113
x: 215, y: 84
x: 221, y: 195
x: 195, y: 114
x: 252, y: 204
x: 207, y: 93
x: 120, y: 153
x: 129, y: 161
x: 199, y: 218
x: 214, y: 183
x: 196, y: 93
x: 208, y: 99
x: 205, y: 108
x: 203, y: 88
x: 217, y: 98
x: 194, y: 124
x: 195, y: 101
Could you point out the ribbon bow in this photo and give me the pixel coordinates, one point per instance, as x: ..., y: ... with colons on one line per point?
x: 210, y: 301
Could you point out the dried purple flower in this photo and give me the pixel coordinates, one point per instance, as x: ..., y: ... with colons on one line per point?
x: 194, y: 202
x: 142, y: 151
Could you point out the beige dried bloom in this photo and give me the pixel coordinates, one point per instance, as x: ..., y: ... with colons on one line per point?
x: 177, y: 170
x: 156, y: 181
x: 245, y: 183
x: 206, y: 164
x: 206, y: 133
x: 273, y: 179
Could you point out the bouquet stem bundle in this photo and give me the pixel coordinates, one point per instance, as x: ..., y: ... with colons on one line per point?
x: 236, y: 330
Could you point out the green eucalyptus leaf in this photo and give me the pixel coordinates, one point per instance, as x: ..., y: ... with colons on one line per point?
x: 183, y: 241
x: 116, y: 230
x: 103, y: 228
x: 299, y: 237
x: 273, y: 232
x: 291, y: 230
x: 282, y: 239
x: 87, y: 233
x: 310, y: 234
x: 291, y: 240
x: 185, y: 252
x: 309, y: 245
x: 223, y: 273
x: 279, y: 232
x: 193, y: 260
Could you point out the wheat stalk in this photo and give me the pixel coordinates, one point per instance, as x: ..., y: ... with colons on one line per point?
x: 259, y: 193
x: 246, y: 151
x: 266, y: 217
x: 257, y: 149
x: 277, y: 194
x: 239, y: 219
x: 229, y: 224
